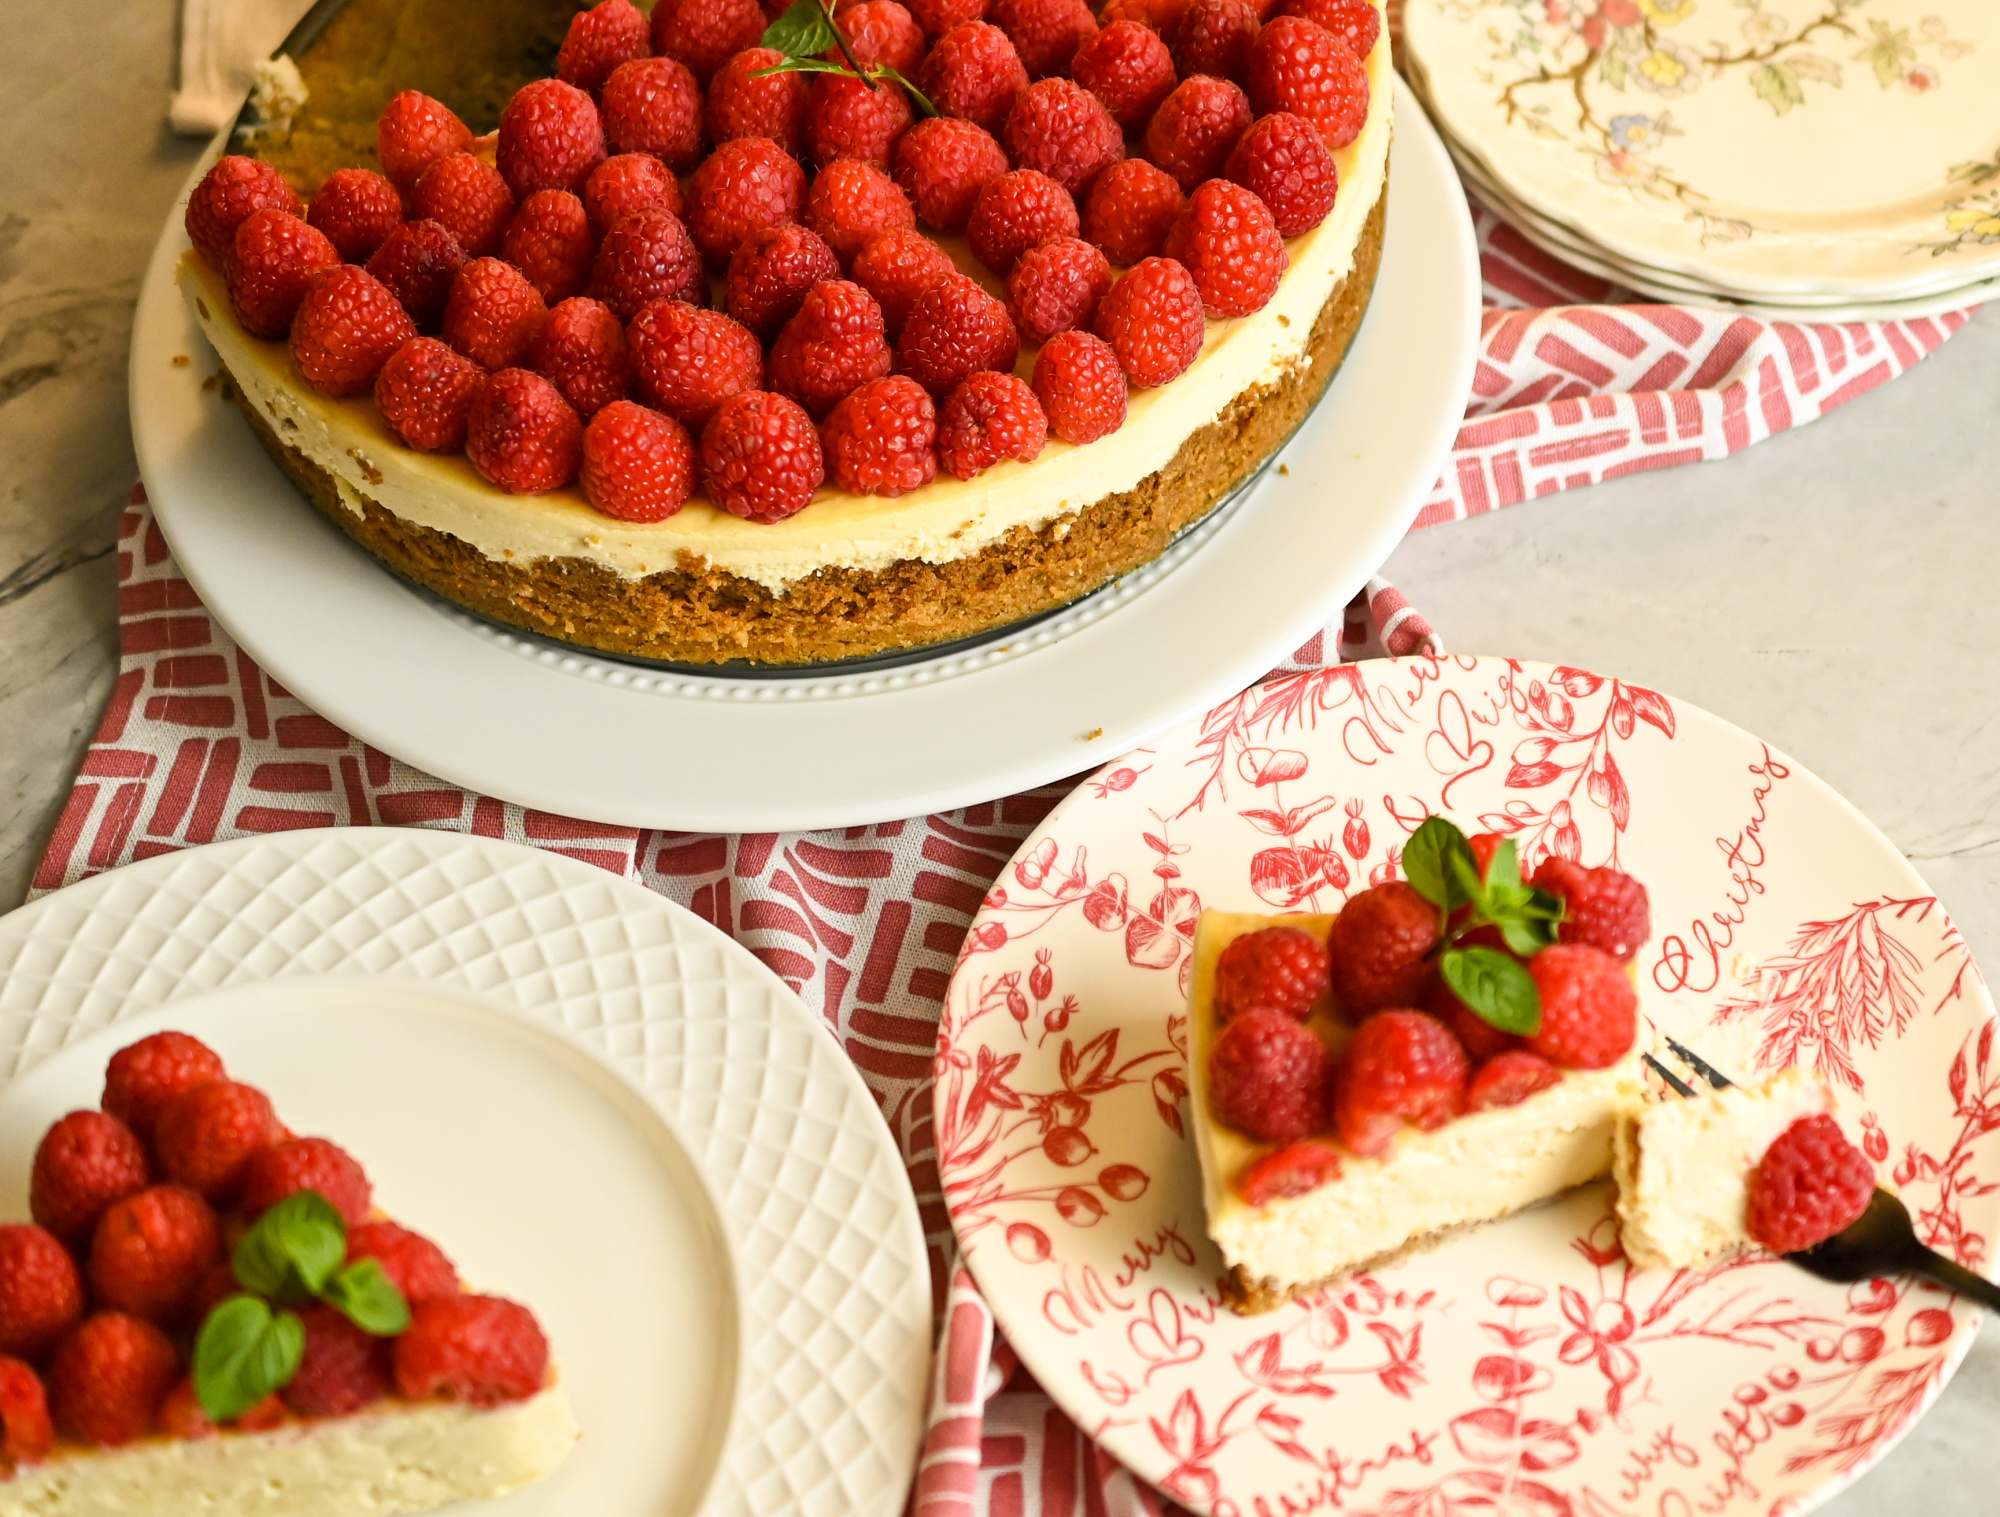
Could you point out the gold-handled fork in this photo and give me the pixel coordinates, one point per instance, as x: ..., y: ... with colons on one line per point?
x: 1881, y: 1241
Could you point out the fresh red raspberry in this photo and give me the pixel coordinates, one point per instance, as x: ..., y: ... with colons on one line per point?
x: 1590, y: 1012
x: 414, y: 132
x: 1056, y: 286
x: 1283, y: 161
x: 26, y: 1433
x: 880, y: 32
x: 426, y: 391
x: 1293, y: 1170
x: 1152, y: 319
x: 480, y: 1350
x: 881, y: 438
x: 1602, y: 907
x: 417, y: 1266
x: 1046, y: 33
x: 494, y: 314
x: 1402, y: 1066
x: 1127, y: 66
x: 1482, y: 1040
x: 704, y: 34
x: 1381, y: 945
x: 896, y: 267
x: 1227, y: 240
x: 646, y: 256
x: 638, y: 464
x: 418, y: 264
x: 208, y: 1135
x: 943, y: 163
x: 973, y: 72
x: 87, y: 1161
x: 1267, y: 1076
x: 343, y: 1368
x: 180, y: 1415
x: 468, y: 199
x: 1809, y: 1185
x: 1355, y: 22
x: 599, y: 39
x: 346, y: 328
x: 1016, y: 211
x: 745, y: 185
x: 549, y: 241
x: 581, y: 350
x: 845, y: 118
x: 989, y: 417
x: 1305, y: 69
x: 770, y: 273
x: 522, y: 435
x: 1080, y: 386
x: 834, y: 344
x: 627, y: 183
x: 41, y: 1292
x: 1214, y: 38
x: 937, y: 17
x: 1162, y: 16
x: 1191, y: 134
x: 761, y: 458
x: 1062, y: 130
x: 653, y: 105
x: 109, y: 1377
x: 216, y: 1287
x: 150, y: 1253
x: 224, y: 199
x: 317, y: 1164
x: 271, y: 265
x: 742, y: 106
x: 689, y: 362
x: 550, y: 138
x: 955, y: 330
x: 143, y: 1077
x: 852, y: 200
x: 1282, y: 969
x: 1508, y: 1079
x: 357, y: 209
x: 1130, y: 210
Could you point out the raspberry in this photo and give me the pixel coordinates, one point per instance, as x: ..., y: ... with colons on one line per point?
x: 1130, y: 210
x: 973, y: 72
x: 1192, y: 132
x: 1380, y: 944
x: 989, y: 417
x: 638, y: 465
x: 346, y: 328
x: 703, y: 34
x: 773, y: 106
x: 1127, y: 66
x: 414, y: 132
x: 881, y: 438
x: 418, y: 264
x: 653, y: 105
x: 522, y: 435
x: 1590, y: 1013
x: 109, y: 1378
x: 1152, y: 319
x: 1485, y: 848
x: 1162, y: 16
x: 627, y: 183
x: 1809, y: 1185
x: 1060, y: 129
x: 1282, y: 969
x: 342, y: 1369
x: 1056, y: 286
x: 599, y: 39
x: 644, y: 257
x: 1289, y: 1171
x: 845, y: 118
x: 468, y: 199
x: 937, y: 17
x: 943, y: 163
x: 760, y: 457
x: 224, y: 200
x: 425, y: 391
x: 1508, y: 1079
x: 832, y: 345
x: 180, y: 1415
x: 41, y: 1293
x: 1214, y: 38
x: 271, y: 264
x: 550, y: 138
x: 770, y: 273
x: 150, y: 1252
x: 896, y: 267
x: 216, y: 1287
x: 307, y: 1164
x: 1401, y: 1066
x: 549, y: 241
x: 87, y: 1161
x: 1355, y: 22
x: 143, y: 1077
x: 1602, y: 907
x: 357, y: 209
x: 26, y: 1434
x: 208, y: 1135
x: 581, y: 351
x: 852, y: 200
x: 1267, y: 1076
x: 494, y: 314
x: 1227, y: 240
x: 1016, y: 211
x: 417, y: 1266
x: 881, y: 32
x: 1046, y: 33
x: 481, y: 1350
x: 745, y: 185
x: 1080, y: 386
x: 1283, y: 161
x: 1298, y: 67
x: 1481, y: 1038
x: 955, y: 330
x: 690, y: 362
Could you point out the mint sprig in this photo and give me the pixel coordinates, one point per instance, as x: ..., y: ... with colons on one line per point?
x: 1441, y: 867
x: 806, y: 31
x: 244, y: 1352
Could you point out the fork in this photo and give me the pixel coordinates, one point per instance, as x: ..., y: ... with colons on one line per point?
x: 1881, y: 1241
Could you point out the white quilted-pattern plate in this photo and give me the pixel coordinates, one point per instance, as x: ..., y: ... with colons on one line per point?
x: 593, y: 1099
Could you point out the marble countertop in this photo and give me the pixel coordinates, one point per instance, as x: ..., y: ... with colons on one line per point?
x: 1831, y: 589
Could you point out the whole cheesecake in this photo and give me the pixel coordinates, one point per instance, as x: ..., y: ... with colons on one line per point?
x: 850, y: 575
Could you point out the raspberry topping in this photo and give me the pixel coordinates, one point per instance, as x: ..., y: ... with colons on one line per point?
x: 87, y: 1161
x: 41, y: 1293
x: 357, y: 209
x: 109, y: 1377
x: 225, y: 198
x: 581, y: 351
x: 880, y: 32
x: 1267, y: 1076
x: 599, y: 39
x: 144, y: 1076
x: 1283, y: 161
x: 644, y: 257
x: 550, y: 138
x: 342, y: 1370
x: 494, y: 314
x: 973, y: 72
x: 1214, y: 38
x: 896, y: 267
x: 208, y: 1135
x: 307, y: 1164
x: 1380, y: 944
x: 1601, y: 907
x: 942, y: 163
x: 1508, y: 1079
x: 937, y: 17
x: 742, y: 106
x: 653, y: 105
x: 852, y: 200
x: 468, y: 199
x: 151, y: 1252
x: 1227, y: 240
x: 549, y: 241
x: 1289, y: 1171
x: 1355, y: 22
x: 418, y: 264
x: 832, y: 345
x: 346, y: 328
x: 703, y: 34
x: 1056, y: 286
x: 1402, y: 1066
x: 26, y: 1433
x: 955, y: 329
x: 1152, y: 319
x: 1045, y: 33
x: 1163, y: 16
x: 761, y: 458
x: 770, y: 273
x: 1281, y: 969
x: 625, y: 184
x: 414, y: 132
x: 1305, y: 69
x: 522, y: 435
x: 271, y: 265
x: 425, y: 391
x: 1130, y: 210
x: 417, y: 1266
x: 689, y: 361
x: 989, y: 417
x: 1016, y: 211
x: 480, y: 1350
x: 1081, y: 387
x: 1060, y: 129
x: 745, y: 185
x: 1590, y: 1012
x: 1127, y: 66
x: 1809, y: 1185
x: 1191, y: 134
x: 1481, y: 1038
x: 880, y: 439
x: 846, y: 118
x: 638, y: 464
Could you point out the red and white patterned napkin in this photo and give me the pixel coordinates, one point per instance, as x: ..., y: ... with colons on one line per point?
x: 1573, y: 385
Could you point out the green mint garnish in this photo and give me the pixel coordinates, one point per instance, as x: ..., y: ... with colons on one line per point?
x: 367, y: 1297
x: 1440, y: 866
x: 245, y: 1352
x: 293, y: 1249
x: 806, y: 31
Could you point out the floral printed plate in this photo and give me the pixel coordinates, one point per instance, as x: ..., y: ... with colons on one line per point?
x: 1523, y: 1368
x: 1764, y: 147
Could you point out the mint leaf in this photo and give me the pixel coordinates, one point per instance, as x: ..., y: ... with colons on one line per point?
x: 803, y: 66
x: 293, y: 1249
x: 365, y: 1295
x: 243, y: 1354
x: 1434, y: 860
x: 1496, y: 987
x: 917, y: 96
x: 1506, y: 865
x: 804, y: 30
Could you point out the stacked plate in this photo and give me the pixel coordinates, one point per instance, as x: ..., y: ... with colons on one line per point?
x: 1823, y: 160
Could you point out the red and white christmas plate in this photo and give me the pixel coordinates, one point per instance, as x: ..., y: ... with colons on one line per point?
x: 1523, y: 1368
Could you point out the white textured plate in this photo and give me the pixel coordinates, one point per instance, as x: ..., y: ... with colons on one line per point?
x: 593, y: 1100
x: 1523, y: 1368
x: 595, y: 738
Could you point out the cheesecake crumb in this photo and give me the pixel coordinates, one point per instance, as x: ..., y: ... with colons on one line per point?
x: 181, y: 360
x: 1285, y: 469
x: 368, y: 470
x: 209, y: 383
x: 202, y: 306
x: 1284, y: 320
x: 1093, y: 734
x: 592, y: 540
